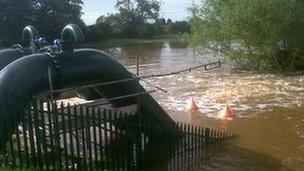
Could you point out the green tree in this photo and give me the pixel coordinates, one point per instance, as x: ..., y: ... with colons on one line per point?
x: 135, y: 13
x: 14, y: 14
x: 52, y: 15
x: 254, y: 34
x: 49, y: 16
x: 179, y: 27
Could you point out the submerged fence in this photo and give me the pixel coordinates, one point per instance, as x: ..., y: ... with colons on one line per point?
x: 57, y: 136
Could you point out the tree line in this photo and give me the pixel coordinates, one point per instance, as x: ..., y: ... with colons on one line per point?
x: 253, y: 34
x: 49, y: 16
x: 134, y: 19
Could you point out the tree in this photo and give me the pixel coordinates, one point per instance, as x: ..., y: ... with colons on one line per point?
x: 106, y: 27
x: 135, y: 13
x: 49, y: 16
x: 52, y: 16
x: 14, y: 14
x: 256, y: 33
x: 179, y: 27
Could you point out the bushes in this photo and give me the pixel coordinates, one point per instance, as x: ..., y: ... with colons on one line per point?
x: 113, y: 26
x: 179, y: 27
x: 255, y: 34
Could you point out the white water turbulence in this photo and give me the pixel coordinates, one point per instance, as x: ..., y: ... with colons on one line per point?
x: 244, y: 91
x: 267, y: 108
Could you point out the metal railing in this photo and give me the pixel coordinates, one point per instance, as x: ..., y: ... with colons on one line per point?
x: 60, y: 137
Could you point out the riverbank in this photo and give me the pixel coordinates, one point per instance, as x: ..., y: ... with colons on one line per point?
x: 131, y: 42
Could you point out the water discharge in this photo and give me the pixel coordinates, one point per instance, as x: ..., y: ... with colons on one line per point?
x: 268, y: 108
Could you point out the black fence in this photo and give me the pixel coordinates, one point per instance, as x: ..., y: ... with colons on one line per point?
x: 58, y: 137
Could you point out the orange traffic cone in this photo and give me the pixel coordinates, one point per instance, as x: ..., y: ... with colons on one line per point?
x: 192, y: 105
x: 227, y: 112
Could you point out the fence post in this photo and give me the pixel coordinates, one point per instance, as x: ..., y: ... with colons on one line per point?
x: 105, y: 133
x: 84, y: 152
x: 57, y: 135
x: 94, y: 134
x: 88, y: 136
x: 207, y: 136
x: 77, y: 136
x: 100, y: 138
x: 70, y: 132
x: 20, y: 156
x: 43, y: 136
x: 64, y: 135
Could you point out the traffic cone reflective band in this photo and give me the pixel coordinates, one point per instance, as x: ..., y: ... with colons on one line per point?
x: 192, y: 105
x: 227, y: 112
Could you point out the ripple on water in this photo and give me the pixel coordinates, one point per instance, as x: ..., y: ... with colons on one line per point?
x: 244, y: 91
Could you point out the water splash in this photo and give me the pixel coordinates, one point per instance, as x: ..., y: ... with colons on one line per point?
x: 245, y: 91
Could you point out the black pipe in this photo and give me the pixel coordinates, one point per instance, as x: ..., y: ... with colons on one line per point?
x: 9, y: 55
x: 29, y: 76
x: 70, y: 35
x: 29, y: 34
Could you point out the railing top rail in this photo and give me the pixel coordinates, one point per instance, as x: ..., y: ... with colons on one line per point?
x: 94, y: 85
x: 185, y: 70
x: 139, y: 78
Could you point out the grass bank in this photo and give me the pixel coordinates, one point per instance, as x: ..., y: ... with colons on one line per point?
x: 131, y: 42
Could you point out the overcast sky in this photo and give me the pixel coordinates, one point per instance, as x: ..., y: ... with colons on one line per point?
x: 174, y: 9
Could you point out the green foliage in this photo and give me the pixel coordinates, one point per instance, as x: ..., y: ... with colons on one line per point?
x: 14, y: 14
x: 49, y: 16
x: 140, y: 10
x: 254, y: 34
x: 179, y: 27
x: 135, y: 19
x: 52, y: 16
x: 135, y: 14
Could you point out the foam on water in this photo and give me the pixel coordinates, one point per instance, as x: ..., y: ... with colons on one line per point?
x: 244, y: 91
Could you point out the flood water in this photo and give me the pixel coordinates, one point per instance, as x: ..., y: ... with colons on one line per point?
x: 268, y: 109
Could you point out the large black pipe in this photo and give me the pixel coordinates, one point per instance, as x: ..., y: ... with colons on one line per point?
x: 9, y: 55
x: 29, y: 75
x: 70, y: 35
x: 29, y: 34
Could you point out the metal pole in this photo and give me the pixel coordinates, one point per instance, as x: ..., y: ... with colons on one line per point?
x: 51, y: 84
x: 138, y: 84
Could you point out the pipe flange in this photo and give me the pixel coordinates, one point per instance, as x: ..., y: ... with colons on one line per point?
x: 18, y: 47
x: 57, y: 73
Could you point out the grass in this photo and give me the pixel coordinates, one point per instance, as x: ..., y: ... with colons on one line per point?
x: 130, y: 42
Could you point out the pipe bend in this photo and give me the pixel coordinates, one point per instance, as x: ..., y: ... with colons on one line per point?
x: 29, y: 33
x: 72, y: 33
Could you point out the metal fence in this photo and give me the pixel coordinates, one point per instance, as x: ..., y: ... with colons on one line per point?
x: 57, y: 136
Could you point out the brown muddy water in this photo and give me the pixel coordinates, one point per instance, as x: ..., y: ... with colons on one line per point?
x: 268, y: 109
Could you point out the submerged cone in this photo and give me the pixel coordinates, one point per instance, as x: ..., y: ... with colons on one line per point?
x: 227, y: 112
x: 192, y: 105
